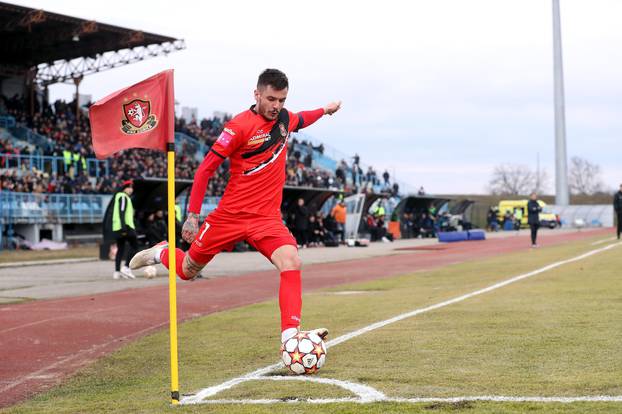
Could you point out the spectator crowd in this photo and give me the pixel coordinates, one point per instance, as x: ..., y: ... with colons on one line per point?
x: 69, y: 138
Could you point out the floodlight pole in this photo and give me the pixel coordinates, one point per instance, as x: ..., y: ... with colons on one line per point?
x: 561, y: 168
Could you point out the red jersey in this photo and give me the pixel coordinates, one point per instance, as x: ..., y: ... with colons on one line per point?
x: 258, y: 159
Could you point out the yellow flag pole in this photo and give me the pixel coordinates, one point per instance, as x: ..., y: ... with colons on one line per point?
x: 172, y: 274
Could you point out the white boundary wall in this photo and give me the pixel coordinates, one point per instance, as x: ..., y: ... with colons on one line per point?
x: 596, y: 215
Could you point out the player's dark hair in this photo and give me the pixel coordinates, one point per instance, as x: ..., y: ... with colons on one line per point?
x: 273, y: 77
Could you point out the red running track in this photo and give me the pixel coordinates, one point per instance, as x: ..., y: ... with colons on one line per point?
x: 48, y: 340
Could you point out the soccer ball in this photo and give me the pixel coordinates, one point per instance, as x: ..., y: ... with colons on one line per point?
x: 150, y: 272
x: 304, y: 353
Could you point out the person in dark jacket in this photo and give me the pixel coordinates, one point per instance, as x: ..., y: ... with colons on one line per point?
x: 533, y: 218
x: 316, y: 230
x: 155, y: 228
x: 617, y: 206
x: 301, y: 223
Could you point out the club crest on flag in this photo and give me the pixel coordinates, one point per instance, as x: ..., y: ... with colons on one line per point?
x: 138, y: 117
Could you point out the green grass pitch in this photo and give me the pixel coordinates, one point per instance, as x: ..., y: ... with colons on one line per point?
x: 556, y: 334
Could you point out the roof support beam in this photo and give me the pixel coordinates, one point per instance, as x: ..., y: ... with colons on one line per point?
x: 67, y: 70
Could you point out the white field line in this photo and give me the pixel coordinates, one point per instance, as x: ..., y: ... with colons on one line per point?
x: 365, y: 393
x: 200, y: 396
x: 477, y: 398
x: 596, y: 243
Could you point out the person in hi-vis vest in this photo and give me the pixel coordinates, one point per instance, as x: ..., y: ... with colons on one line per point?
x: 124, y: 230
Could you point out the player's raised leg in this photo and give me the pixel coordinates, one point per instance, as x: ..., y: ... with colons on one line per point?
x: 186, y: 267
x: 287, y: 261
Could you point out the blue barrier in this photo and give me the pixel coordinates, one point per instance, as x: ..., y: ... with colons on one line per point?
x: 452, y: 236
x: 476, y: 235
x: 458, y: 236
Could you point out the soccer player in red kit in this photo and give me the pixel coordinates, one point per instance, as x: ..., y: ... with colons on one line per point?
x: 255, y: 141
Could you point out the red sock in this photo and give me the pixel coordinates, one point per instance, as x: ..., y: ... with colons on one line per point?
x: 290, y: 299
x: 179, y: 261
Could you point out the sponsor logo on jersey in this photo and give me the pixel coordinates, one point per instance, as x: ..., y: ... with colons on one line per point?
x: 229, y: 131
x: 259, y: 138
x: 225, y: 138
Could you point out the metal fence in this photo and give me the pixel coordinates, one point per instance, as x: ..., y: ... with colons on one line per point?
x: 318, y: 159
x: 188, y: 144
x: 53, y: 164
x: 7, y: 121
x: 331, y: 154
x: 209, y: 204
x: 26, y: 134
x: 26, y: 208
x: 29, y: 208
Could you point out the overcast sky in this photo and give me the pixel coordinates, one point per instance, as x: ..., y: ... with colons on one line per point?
x: 438, y: 92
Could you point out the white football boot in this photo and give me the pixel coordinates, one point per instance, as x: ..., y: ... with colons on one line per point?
x: 291, y: 332
x: 148, y: 257
x: 127, y: 273
x: 116, y: 275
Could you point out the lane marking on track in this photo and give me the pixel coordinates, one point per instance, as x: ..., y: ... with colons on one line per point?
x: 79, y: 354
x: 200, y: 396
x: 596, y: 243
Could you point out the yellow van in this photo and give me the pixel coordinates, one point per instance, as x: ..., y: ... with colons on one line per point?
x: 547, y: 217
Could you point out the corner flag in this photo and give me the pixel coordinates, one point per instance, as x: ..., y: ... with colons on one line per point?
x: 143, y: 116
x: 140, y: 116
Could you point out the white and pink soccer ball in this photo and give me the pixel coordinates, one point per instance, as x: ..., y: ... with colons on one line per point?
x: 304, y: 353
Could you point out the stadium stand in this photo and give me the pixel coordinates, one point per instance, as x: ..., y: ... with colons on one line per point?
x: 68, y: 141
x: 49, y: 175
x: 50, y: 152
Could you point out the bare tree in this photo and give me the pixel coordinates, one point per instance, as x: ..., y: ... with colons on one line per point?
x: 541, y: 182
x: 584, y: 177
x: 512, y: 179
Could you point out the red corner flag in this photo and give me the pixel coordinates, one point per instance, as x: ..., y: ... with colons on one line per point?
x: 141, y: 116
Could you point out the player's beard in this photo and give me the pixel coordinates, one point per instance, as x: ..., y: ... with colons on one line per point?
x: 270, y: 114
x: 267, y: 112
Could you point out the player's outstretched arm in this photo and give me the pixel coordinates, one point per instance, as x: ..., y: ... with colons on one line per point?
x: 306, y: 118
x: 332, y: 107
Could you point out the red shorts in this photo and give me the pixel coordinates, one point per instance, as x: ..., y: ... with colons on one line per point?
x: 222, y: 230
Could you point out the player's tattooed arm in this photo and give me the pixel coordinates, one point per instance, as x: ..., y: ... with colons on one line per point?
x: 190, y: 228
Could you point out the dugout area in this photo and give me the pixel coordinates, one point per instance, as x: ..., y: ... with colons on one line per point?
x: 149, y: 194
x: 418, y: 204
x: 314, y: 198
